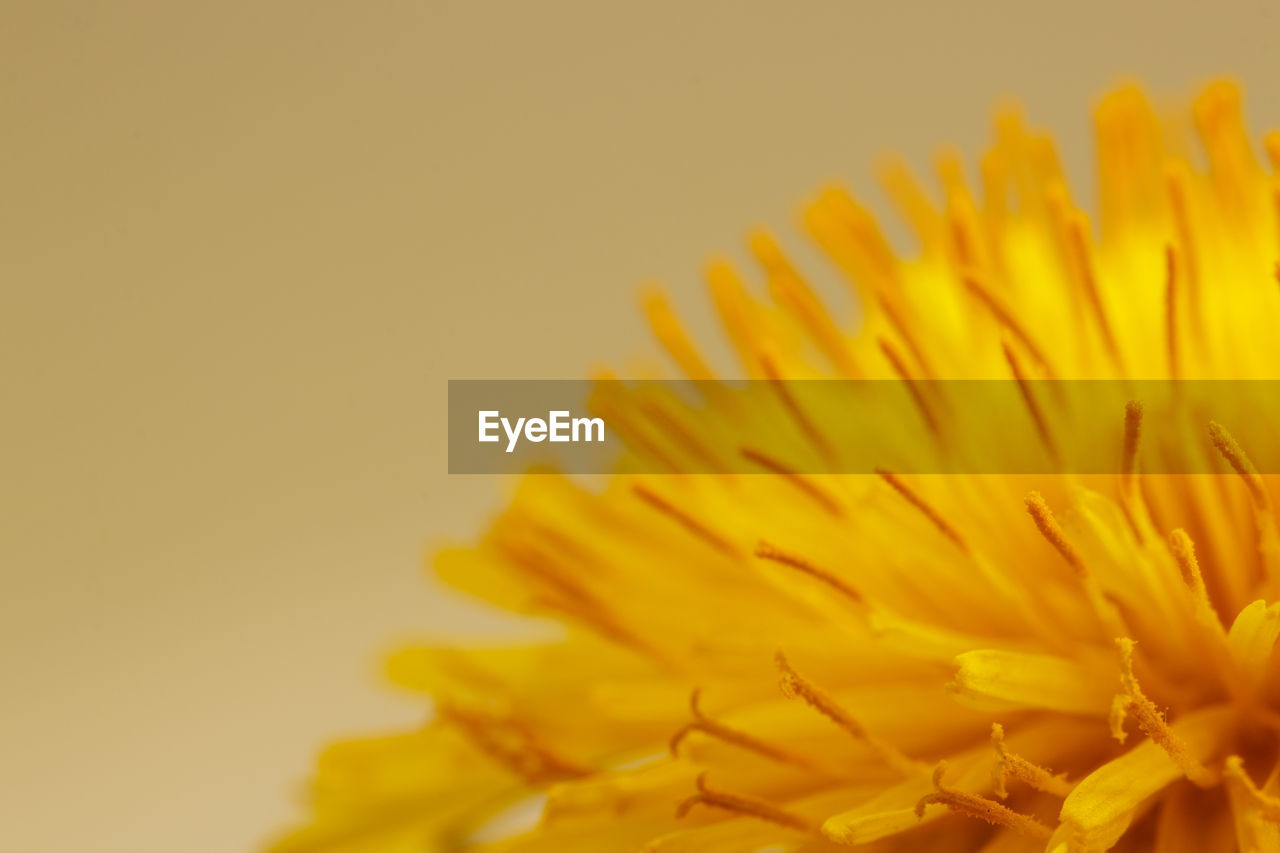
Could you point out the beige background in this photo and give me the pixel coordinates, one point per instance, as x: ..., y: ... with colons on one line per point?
x: 244, y: 245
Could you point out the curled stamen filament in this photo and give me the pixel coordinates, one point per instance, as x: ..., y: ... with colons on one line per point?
x: 980, y: 808
x: 702, y: 723
x: 743, y: 805
x: 1010, y: 765
x: 1152, y: 722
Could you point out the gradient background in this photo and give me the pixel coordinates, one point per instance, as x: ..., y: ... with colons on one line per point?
x: 245, y: 244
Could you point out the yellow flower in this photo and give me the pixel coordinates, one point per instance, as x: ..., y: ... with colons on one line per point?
x: 801, y: 662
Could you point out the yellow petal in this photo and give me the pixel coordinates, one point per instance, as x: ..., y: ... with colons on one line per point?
x: 1254, y: 832
x: 1186, y: 825
x: 368, y: 794
x: 729, y: 836
x: 1103, y: 804
x: 996, y: 680
x: 917, y: 639
x: 894, y: 810
x: 1253, y: 636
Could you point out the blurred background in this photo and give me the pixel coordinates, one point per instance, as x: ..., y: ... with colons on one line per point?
x: 245, y: 245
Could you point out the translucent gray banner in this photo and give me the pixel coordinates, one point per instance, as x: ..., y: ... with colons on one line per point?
x: 859, y: 427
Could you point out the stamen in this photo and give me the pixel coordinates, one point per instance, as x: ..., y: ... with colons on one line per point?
x: 743, y: 805
x: 1119, y: 713
x: 1052, y: 531
x: 1006, y: 318
x: 765, y: 551
x: 980, y: 808
x: 1242, y: 465
x: 1264, y: 518
x: 1033, y: 406
x: 1105, y: 610
x: 1131, y: 500
x: 685, y: 520
x: 1184, y: 554
x: 789, y: 402
x: 1010, y: 765
x: 801, y: 482
x: 1084, y: 261
x: 555, y: 573
x: 594, y: 616
x: 512, y: 746
x: 1152, y: 722
x: 1268, y: 805
x: 670, y: 425
x: 702, y: 723
x: 963, y: 230
x: 634, y: 431
x: 794, y: 685
x: 566, y: 595
x: 1129, y: 456
x: 887, y: 302
x: 900, y: 367
x: 944, y: 527
x: 1227, y: 664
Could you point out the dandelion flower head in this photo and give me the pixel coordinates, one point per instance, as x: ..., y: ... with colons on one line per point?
x: 806, y: 662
